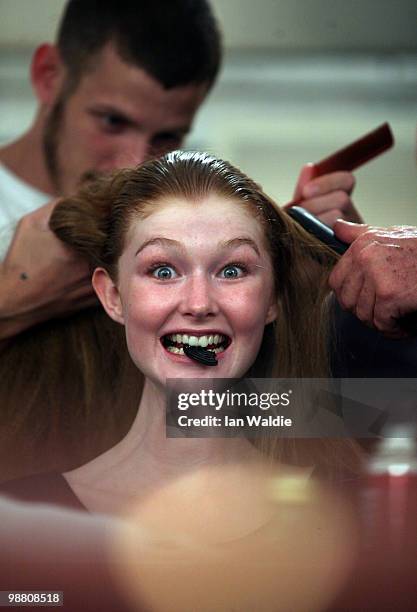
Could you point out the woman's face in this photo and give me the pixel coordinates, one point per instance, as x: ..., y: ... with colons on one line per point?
x: 192, y: 273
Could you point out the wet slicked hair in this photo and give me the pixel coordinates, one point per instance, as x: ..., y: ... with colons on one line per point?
x: 175, y: 41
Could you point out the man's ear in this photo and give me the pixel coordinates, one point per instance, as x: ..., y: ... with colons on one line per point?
x: 108, y: 294
x: 47, y: 74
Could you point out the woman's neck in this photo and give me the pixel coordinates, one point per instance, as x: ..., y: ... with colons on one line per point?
x: 146, y: 458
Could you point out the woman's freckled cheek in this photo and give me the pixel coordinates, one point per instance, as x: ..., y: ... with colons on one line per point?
x: 148, y: 306
x: 240, y: 308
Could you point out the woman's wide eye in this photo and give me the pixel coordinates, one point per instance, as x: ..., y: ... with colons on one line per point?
x: 164, y: 273
x: 232, y: 271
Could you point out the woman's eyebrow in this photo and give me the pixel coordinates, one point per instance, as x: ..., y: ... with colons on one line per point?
x: 237, y: 242
x: 161, y: 241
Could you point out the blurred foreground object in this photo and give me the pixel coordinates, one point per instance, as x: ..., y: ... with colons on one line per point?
x: 46, y: 548
x: 385, y: 575
x: 237, y: 538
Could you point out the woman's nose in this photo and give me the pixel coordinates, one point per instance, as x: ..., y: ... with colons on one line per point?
x: 199, y: 298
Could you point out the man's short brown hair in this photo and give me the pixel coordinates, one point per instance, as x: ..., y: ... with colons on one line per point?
x: 175, y: 41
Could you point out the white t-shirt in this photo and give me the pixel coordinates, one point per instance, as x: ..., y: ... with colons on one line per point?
x: 16, y: 200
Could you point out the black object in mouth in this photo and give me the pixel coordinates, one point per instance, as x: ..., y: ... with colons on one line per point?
x: 200, y: 354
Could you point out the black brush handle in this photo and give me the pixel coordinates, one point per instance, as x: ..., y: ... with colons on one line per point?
x: 320, y: 230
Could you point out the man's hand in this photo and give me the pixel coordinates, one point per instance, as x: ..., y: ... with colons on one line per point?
x: 328, y: 196
x: 40, y: 277
x: 376, y: 278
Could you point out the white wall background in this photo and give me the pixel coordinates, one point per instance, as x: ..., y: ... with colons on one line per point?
x: 301, y: 78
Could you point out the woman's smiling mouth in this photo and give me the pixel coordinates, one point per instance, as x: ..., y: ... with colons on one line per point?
x: 215, y: 342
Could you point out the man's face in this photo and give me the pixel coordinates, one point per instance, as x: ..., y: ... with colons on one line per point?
x: 118, y: 116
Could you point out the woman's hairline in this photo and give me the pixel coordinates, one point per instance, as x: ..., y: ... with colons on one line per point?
x: 161, y: 201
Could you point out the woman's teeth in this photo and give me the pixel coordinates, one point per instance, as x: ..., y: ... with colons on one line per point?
x: 203, y: 341
x: 215, y: 342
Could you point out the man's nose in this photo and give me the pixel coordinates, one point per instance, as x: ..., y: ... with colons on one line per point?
x: 131, y: 151
x: 199, y: 298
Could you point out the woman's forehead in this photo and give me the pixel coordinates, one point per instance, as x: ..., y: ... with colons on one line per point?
x: 211, y: 215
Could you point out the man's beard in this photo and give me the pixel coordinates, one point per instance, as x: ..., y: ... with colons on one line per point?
x: 50, y: 142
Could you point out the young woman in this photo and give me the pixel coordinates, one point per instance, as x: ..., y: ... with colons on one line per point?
x: 186, y: 249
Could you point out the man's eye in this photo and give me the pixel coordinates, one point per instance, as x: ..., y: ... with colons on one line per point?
x: 233, y: 271
x: 113, y: 123
x: 164, y: 273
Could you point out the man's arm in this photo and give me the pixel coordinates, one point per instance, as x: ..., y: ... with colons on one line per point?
x: 376, y: 278
x: 328, y: 197
x: 40, y: 278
